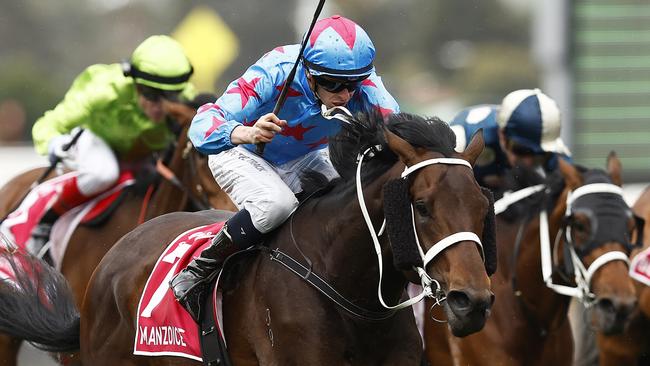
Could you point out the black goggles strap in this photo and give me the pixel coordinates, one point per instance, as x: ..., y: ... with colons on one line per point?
x: 136, y: 73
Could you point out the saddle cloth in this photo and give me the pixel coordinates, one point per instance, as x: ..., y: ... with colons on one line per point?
x: 640, y: 267
x: 163, y: 326
x: 18, y: 225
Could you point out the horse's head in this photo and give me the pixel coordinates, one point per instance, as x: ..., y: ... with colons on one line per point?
x: 451, y: 218
x: 598, y: 227
x: 185, y: 167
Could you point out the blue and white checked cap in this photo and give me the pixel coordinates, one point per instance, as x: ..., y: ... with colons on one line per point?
x: 492, y: 161
x: 531, y: 118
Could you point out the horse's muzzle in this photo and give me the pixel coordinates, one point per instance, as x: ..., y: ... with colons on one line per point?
x: 611, y: 314
x: 467, y: 310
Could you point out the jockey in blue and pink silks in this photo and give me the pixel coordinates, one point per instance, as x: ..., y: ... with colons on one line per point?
x: 336, y: 70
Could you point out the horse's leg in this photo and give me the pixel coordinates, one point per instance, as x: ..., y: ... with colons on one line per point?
x: 9, y: 350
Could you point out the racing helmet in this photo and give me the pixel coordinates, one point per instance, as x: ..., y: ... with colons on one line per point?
x: 159, y: 62
x: 492, y: 161
x: 340, y: 48
x: 532, y: 119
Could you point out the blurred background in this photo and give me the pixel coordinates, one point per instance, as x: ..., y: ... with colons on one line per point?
x: 436, y: 56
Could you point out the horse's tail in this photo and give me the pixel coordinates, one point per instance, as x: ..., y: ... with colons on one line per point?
x: 36, y: 303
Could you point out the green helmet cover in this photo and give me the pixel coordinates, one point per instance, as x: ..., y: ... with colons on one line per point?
x: 160, y: 62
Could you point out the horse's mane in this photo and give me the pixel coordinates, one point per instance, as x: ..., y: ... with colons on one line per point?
x: 367, y: 130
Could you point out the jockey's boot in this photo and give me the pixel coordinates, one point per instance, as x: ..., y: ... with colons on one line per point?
x: 69, y: 198
x: 190, y: 285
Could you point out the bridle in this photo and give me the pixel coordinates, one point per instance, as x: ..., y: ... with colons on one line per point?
x: 582, y: 275
x: 306, y: 273
x: 426, y: 281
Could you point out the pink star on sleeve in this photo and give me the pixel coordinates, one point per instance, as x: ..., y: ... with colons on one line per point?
x: 245, y: 89
x: 216, y: 123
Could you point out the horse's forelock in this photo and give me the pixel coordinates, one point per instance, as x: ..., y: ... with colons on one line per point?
x: 365, y: 131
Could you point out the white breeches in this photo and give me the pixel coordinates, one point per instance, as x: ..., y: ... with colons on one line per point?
x: 95, y: 163
x: 266, y: 191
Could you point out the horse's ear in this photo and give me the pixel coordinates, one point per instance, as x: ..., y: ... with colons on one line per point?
x: 572, y: 177
x: 475, y: 147
x: 614, y: 168
x: 399, y: 146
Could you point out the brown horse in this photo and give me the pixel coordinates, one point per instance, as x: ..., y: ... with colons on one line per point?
x: 194, y: 189
x: 632, y: 347
x: 330, y: 230
x: 528, y: 324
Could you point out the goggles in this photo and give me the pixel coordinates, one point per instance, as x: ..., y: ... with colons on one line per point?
x: 337, y: 85
x: 522, y: 150
x: 156, y: 95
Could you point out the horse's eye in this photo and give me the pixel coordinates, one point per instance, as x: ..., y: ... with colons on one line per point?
x: 422, y: 209
x: 578, y: 226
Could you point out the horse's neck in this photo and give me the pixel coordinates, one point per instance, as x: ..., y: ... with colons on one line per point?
x: 549, y: 308
x: 346, y: 251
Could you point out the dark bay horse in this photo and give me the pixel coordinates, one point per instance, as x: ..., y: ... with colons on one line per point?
x: 450, y: 211
x: 528, y: 324
x: 88, y: 244
x: 632, y: 347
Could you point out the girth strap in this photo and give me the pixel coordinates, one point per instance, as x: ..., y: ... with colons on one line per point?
x: 213, y: 346
x: 325, y: 288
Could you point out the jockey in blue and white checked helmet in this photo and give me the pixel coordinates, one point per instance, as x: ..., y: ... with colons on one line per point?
x: 492, y: 162
x: 530, y: 124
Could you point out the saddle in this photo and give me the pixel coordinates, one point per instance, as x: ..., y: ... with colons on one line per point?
x: 20, y: 223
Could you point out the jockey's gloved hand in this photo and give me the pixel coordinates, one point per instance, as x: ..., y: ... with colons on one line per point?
x: 57, y: 149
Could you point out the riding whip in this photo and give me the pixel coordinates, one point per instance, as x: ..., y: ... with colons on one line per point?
x: 285, y: 88
x: 52, y: 166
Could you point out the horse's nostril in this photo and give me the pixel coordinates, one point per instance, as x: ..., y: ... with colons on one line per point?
x: 625, y: 308
x: 458, y: 300
x: 465, y: 302
x: 616, y: 306
x: 606, y: 305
